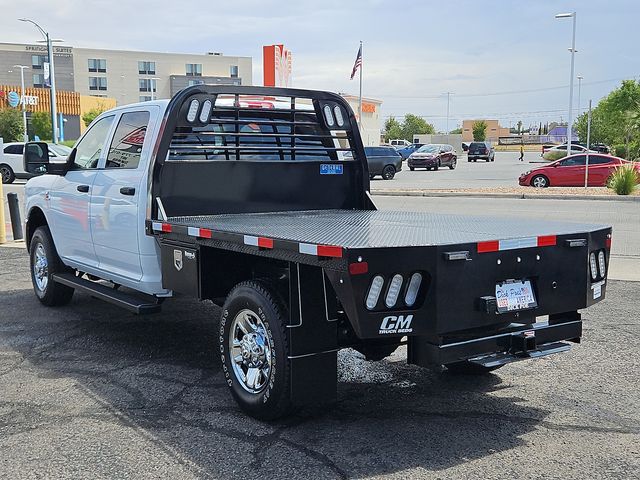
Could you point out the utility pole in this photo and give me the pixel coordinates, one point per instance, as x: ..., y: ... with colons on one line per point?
x: 25, y: 137
x: 448, y: 94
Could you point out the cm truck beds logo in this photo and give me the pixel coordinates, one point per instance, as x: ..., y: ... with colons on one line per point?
x: 396, y: 324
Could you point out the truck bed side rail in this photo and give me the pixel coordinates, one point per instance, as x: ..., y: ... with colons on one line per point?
x: 231, y: 149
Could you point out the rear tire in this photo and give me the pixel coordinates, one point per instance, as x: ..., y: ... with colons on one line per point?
x: 44, y: 263
x: 7, y: 174
x: 254, y: 350
x: 412, y: 168
x: 388, y: 172
x: 469, y: 368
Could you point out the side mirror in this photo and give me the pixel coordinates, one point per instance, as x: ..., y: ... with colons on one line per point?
x: 36, y: 158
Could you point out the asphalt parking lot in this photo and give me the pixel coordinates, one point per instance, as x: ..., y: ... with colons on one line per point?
x: 503, y: 172
x: 90, y: 391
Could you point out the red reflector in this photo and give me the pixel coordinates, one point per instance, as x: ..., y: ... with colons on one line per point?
x: 608, y: 243
x: 491, y: 246
x: 329, y: 251
x: 547, y: 241
x: 264, y: 242
x: 358, y: 268
x: 204, y: 233
x: 166, y: 227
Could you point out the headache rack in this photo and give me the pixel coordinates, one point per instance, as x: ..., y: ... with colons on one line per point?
x: 232, y: 149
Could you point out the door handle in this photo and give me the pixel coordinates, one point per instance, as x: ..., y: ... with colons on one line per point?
x: 83, y: 188
x: 128, y: 191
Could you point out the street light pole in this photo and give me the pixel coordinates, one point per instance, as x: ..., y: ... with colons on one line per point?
x: 448, y: 94
x: 586, y: 166
x: 52, y: 90
x: 25, y: 137
x: 573, y: 54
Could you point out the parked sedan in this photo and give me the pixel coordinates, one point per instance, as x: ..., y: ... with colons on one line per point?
x: 384, y: 161
x: 560, y: 151
x: 433, y: 156
x: 12, y: 165
x: 481, y: 151
x: 569, y: 172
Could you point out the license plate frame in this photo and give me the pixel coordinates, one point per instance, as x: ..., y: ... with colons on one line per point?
x: 515, y: 295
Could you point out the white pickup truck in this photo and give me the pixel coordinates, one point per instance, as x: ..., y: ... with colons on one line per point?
x: 258, y: 199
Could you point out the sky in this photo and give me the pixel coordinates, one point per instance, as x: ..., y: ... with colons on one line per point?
x: 500, y: 59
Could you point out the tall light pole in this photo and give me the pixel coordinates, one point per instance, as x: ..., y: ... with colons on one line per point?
x: 25, y: 137
x: 580, y: 78
x: 573, y: 54
x: 52, y: 91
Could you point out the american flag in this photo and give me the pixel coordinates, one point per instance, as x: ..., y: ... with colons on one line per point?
x: 358, y: 63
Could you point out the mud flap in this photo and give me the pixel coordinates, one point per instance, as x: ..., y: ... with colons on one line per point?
x: 313, y: 336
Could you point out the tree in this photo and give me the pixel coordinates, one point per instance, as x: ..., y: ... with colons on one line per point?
x: 456, y: 131
x: 614, y: 120
x: 519, y: 126
x: 414, y: 125
x: 479, y: 131
x: 41, y: 125
x: 392, y: 129
x: 90, y: 115
x: 11, y: 128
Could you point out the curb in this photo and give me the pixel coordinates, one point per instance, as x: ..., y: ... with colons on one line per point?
x: 522, y: 196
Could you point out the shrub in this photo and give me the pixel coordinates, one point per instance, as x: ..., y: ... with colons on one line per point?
x: 11, y: 128
x: 619, y: 150
x: 624, y: 180
x: 554, y: 155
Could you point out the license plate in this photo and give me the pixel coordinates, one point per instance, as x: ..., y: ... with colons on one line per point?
x: 514, y: 295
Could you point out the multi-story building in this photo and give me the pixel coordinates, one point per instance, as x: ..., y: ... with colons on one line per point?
x: 126, y: 76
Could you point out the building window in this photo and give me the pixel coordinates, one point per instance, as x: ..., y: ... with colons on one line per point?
x: 38, y: 80
x: 194, y: 69
x: 144, y: 98
x: 146, y: 68
x: 37, y: 61
x: 233, y: 71
x: 97, y: 65
x: 97, y: 83
x: 191, y: 83
x: 147, y: 85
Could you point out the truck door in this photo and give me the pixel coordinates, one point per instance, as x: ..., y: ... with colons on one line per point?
x: 118, y: 196
x: 69, y: 199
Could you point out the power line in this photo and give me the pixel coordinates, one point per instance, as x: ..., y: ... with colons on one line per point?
x: 510, y: 92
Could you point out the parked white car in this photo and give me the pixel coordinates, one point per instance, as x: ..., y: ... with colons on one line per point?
x: 11, y: 163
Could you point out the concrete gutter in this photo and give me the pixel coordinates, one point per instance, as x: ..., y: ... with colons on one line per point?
x: 428, y: 193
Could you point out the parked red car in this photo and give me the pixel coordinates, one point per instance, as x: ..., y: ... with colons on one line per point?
x: 569, y: 172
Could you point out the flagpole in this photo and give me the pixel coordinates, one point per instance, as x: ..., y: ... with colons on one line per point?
x: 360, y: 98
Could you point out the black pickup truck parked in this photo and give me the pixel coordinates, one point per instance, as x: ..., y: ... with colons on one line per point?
x: 258, y: 198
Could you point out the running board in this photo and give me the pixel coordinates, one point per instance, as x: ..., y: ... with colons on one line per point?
x: 497, y: 359
x: 128, y: 302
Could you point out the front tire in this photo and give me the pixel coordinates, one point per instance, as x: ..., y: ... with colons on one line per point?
x: 454, y: 162
x: 540, y: 181
x: 469, y: 368
x: 45, y: 262
x: 7, y: 174
x: 254, y: 350
x: 388, y: 172
x: 412, y: 168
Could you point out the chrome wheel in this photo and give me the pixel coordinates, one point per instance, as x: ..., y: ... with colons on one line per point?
x: 6, y: 174
x: 250, y: 351
x: 41, y: 268
x: 539, y: 181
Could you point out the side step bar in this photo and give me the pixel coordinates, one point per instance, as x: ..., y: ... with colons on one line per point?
x: 128, y: 302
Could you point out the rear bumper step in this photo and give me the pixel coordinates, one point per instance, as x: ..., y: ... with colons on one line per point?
x: 132, y: 303
x: 539, y: 340
x: 497, y: 359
